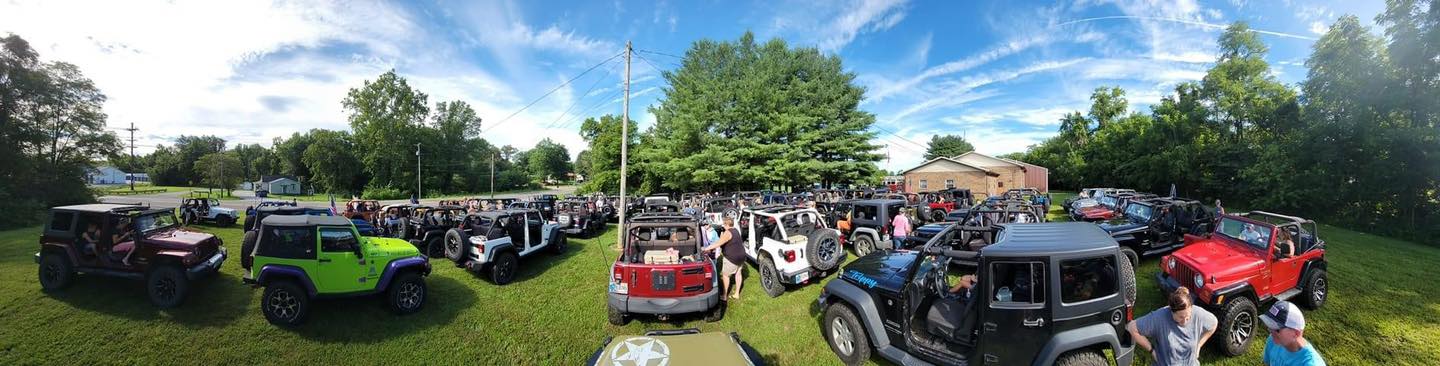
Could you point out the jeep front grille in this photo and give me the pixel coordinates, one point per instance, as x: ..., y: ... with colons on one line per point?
x: 1185, y: 275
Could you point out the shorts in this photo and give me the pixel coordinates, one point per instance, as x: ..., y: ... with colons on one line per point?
x: 728, y: 268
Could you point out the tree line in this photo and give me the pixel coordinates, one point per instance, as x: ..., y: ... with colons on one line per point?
x: 741, y: 115
x: 389, y: 121
x: 1357, y: 143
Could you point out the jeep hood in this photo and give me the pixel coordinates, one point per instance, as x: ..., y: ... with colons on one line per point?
x: 391, y: 247
x: 222, y: 210
x: 1121, y: 225
x: 1221, y: 259
x: 177, y: 239
x: 884, y: 269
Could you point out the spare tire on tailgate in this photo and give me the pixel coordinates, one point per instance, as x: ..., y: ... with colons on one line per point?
x: 247, y: 247
x: 823, y: 249
x: 457, y: 244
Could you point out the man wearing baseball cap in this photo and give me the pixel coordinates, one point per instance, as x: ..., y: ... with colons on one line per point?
x: 1287, y: 345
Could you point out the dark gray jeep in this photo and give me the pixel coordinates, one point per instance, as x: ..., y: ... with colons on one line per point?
x: 1043, y: 294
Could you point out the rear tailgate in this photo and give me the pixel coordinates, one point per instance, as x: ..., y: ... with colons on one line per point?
x: 669, y: 280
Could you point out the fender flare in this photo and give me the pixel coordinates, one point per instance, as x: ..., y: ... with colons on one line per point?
x: 276, y: 272
x: 1241, y: 289
x: 417, y: 263
x: 505, y: 244
x: 875, y: 235
x: 1310, y: 266
x: 1080, y: 338
x: 864, y: 305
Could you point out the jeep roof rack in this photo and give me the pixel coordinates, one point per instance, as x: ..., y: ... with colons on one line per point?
x: 1049, y: 237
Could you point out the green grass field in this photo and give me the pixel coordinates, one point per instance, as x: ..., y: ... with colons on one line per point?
x: 1382, y: 310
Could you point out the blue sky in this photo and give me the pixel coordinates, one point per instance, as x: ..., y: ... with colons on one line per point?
x: 999, y: 72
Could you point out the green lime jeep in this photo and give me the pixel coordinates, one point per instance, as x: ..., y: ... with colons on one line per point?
x: 299, y: 258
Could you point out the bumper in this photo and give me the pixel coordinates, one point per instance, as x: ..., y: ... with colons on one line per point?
x: 573, y: 230
x: 37, y: 257
x: 666, y: 305
x: 1125, y: 356
x: 209, y: 266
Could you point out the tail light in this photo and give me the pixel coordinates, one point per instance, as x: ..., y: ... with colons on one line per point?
x: 789, y: 256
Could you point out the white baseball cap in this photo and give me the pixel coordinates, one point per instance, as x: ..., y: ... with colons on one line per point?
x: 1283, y: 315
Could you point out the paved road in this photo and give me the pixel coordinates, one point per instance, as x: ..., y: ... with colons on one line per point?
x: 172, y: 199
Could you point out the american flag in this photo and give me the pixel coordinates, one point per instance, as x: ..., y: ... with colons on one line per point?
x: 332, y: 206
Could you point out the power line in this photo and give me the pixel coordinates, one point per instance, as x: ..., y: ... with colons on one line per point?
x: 647, y: 62
x: 661, y: 54
x: 575, y: 102
x: 922, y: 146
x: 607, y: 100
x: 552, y: 91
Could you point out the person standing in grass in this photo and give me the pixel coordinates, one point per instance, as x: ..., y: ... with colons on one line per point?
x: 1174, y: 334
x: 1287, y: 345
x: 901, y: 229
x: 732, y: 247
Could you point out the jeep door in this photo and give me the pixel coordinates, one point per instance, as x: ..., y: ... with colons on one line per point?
x: 1284, y: 271
x: 1015, y: 322
x: 533, y: 223
x: 339, y: 264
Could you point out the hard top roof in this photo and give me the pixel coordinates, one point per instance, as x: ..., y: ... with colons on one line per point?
x: 498, y: 213
x: 101, y: 207
x: 273, y: 209
x: 777, y: 209
x: 1042, y: 239
x: 877, y: 201
x: 305, y: 220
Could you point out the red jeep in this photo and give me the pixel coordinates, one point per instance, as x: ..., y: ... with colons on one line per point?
x: 662, y: 271
x: 126, y: 241
x: 944, y: 201
x: 1248, y: 262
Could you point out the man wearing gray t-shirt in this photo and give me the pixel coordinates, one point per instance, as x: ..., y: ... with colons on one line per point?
x: 1174, y: 334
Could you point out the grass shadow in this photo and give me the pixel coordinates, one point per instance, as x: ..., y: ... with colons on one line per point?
x: 214, y: 301
x: 367, y: 320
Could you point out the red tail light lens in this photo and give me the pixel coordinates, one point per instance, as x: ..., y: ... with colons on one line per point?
x: 789, y: 256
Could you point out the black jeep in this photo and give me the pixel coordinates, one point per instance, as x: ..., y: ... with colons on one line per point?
x: 1158, y: 225
x: 870, y: 224
x: 1045, y: 294
x: 579, y: 218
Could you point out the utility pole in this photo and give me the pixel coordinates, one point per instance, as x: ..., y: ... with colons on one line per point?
x: 417, y: 172
x: 492, y: 175
x: 624, y: 146
x: 132, y: 156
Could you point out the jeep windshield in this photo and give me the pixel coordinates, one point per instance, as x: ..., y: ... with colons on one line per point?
x: 1107, y: 201
x: 1255, y: 235
x: 155, y: 220
x: 1139, y: 212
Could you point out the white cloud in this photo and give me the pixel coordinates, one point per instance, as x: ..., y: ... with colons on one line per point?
x: 1318, y: 27
x: 953, y: 93
x: 1006, y: 49
x: 864, y: 16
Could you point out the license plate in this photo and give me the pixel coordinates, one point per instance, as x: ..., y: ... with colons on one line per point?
x: 802, y: 277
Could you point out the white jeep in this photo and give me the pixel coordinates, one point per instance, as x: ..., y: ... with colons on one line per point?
x: 789, y: 245
x: 194, y: 210
x: 493, y: 242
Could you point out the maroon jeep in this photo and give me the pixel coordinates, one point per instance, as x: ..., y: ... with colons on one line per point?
x: 126, y: 241
x: 661, y: 270
x: 1249, y: 261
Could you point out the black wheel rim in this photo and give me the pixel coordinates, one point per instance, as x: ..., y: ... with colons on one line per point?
x: 452, y: 246
x: 827, y: 250
x: 1240, y: 329
x: 505, y: 269
x: 284, y: 305
x: 410, y: 295
x: 50, y: 273
x: 165, y: 289
x: 767, y: 277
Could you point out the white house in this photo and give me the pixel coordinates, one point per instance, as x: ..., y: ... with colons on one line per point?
x: 276, y: 184
x: 106, y: 174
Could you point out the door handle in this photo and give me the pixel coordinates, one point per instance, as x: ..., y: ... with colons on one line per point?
x: 323, y: 260
x: 990, y: 327
x: 1035, y: 323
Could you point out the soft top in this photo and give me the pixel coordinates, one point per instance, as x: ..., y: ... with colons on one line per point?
x: 305, y: 220
x: 98, y: 207
x: 878, y: 202
x: 1040, y: 239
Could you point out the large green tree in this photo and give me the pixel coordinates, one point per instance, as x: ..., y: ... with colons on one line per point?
x: 741, y: 115
x: 219, y: 170
x: 603, y: 156
x: 947, y: 146
x: 384, y: 115
x: 548, y: 160
x: 332, y: 162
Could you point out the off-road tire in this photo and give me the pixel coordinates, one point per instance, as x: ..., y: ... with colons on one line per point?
x: 1130, y: 255
x: 285, y: 303
x: 557, y: 244
x: 405, y: 228
x: 224, y: 221
x: 852, y: 344
x: 823, y: 241
x: 407, y: 294
x: 167, y: 286
x: 617, y: 317
x: 1127, y: 279
x: 56, y: 272
x: 1082, y: 358
x: 247, y: 248
x: 715, y: 313
x: 1236, y: 316
x: 770, y: 277
x: 1317, y: 290
x: 457, y: 245
x: 504, y: 268
x: 435, y: 247
x: 864, y: 244
x: 937, y: 215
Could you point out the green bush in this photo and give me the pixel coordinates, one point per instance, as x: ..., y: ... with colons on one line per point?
x: 384, y: 194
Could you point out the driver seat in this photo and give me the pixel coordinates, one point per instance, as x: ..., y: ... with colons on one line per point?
x: 953, y: 320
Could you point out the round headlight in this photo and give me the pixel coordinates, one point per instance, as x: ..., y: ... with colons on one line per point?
x: 1199, y: 281
x: 1172, y: 264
